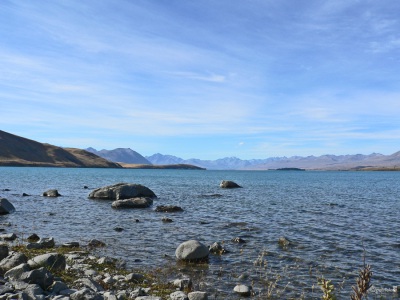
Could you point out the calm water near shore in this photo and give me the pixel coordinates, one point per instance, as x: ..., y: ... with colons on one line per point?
x: 328, y: 216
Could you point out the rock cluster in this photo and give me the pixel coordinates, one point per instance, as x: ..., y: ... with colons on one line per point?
x: 121, y: 191
x: 35, y: 279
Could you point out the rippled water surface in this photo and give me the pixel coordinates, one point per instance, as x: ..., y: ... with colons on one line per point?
x: 329, y: 217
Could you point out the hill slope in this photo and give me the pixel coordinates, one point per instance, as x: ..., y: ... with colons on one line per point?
x: 19, y: 151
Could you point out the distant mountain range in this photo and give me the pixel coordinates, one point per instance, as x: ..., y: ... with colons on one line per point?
x: 125, y: 155
x: 324, y: 162
x: 19, y: 151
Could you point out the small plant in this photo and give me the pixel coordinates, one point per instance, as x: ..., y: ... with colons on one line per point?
x: 328, y: 289
x: 363, y: 283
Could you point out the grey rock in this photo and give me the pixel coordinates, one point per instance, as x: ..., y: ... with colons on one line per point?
x: 18, y: 285
x: 4, y: 289
x: 121, y: 191
x: 184, y: 283
x: 11, y: 261
x: 8, y: 237
x: 148, y: 298
x: 217, y: 248
x: 34, y: 292
x: 178, y: 295
x: 16, y: 272
x: 60, y: 297
x: 227, y: 184
x: 86, y: 294
x: 3, y: 251
x: 89, y: 283
x: 191, y: 250
x: 137, y: 293
x: 6, y: 207
x: 242, y: 290
x: 105, y: 260
x: 51, y: 193
x: 91, y: 273
x: 67, y: 292
x: 57, y: 287
x: 133, y: 277
x: 33, y: 238
x: 142, y: 202
x: 70, y: 245
x: 109, y: 280
x: 110, y: 296
x: 42, y: 244
x: 198, y: 296
x: 39, y: 276
x: 52, y: 261
x: 166, y: 220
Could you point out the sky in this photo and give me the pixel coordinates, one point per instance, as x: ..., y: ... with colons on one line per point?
x: 203, y: 79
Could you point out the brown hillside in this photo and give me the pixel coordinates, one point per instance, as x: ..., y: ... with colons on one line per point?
x: 19, y: 151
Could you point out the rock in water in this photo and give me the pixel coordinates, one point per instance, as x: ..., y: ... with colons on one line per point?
x: 122, y: 191
x: 6, y: 207
x: 142, y: 202
x: 51, y: 193
x: 242, y: 290
x: 168, y: 208
x: 227, y: 184
x: 192, y: 250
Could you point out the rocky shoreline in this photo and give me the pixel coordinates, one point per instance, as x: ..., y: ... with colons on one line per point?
x: 42, y: 270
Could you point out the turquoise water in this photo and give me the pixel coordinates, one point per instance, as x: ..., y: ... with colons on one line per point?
x: 330, y: 217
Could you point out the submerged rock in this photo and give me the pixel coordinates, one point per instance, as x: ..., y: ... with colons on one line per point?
x: 192, y: 250
x: 217, y: 248
x: 122, y: 191
x: 6, y: 207
x: 142, y: 202
x: 168, y: 208
x: 227, y: 184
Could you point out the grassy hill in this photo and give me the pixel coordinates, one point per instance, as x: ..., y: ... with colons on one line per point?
x: 19, y: 151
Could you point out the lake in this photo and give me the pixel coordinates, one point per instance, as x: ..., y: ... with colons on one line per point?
x: 333, y: 220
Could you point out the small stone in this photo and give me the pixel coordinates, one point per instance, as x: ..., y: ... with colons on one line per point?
x: 227, y: 184
x: 25, y: 195
x: 198, y: 296
x: 3, y: 251
x: 51, y: 193
x: 33, y: 238
x: 178, y: 295
x: 8, y: 237
x: 70, y: 245
x: 96, y: 243
x: 134, y: 277
x: 238, y: 240
x: 118, y: 229
x: 242, y: 290
x: 166, y: 220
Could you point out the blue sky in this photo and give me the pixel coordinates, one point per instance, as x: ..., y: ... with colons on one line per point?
x: 205, y: 79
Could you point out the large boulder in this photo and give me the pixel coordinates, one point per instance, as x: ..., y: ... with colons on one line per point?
x: 141, y: 202
x: 6, y: 207
x: 192, y: 250
x: 227, y: 184
x: 122, y: 191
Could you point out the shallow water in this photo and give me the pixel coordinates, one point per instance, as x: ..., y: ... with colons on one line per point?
x: 330, y: 217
